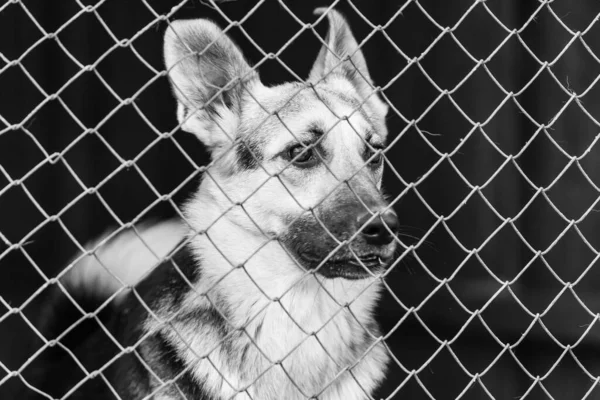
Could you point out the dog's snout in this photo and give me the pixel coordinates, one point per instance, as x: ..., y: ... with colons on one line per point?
x: 379, y: 230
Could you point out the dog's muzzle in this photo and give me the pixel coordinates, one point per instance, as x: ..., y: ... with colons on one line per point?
x: 345, y: 244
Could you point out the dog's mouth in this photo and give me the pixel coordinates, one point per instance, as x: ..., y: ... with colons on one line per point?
x: 352, y: 267
x: 351, y: 255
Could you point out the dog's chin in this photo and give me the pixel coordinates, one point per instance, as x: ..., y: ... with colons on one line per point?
x: 351, y: 268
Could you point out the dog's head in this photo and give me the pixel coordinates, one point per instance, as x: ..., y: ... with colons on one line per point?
x: 301, y: 162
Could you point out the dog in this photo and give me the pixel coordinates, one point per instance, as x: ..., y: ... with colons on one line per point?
x: 266, y: 288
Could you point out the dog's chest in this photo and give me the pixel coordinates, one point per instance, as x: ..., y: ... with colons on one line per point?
x: 302, y: 351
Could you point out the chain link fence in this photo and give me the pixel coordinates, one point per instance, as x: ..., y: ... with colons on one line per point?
x: 490, y: 164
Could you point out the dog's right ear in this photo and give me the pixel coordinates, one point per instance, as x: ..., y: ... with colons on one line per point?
x: 209, y: 75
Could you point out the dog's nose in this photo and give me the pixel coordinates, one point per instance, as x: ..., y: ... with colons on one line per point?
x: 379, y: 231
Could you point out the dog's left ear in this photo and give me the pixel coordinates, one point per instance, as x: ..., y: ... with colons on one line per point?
x: 341, y: 45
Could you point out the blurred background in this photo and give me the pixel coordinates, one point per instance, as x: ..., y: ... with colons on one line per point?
x: 495, y: 169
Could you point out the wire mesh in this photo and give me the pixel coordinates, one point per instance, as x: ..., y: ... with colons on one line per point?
x: 511, y: 283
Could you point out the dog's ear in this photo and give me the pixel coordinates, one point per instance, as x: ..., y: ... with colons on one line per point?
x: 341, y: 55
x: 209, y: 75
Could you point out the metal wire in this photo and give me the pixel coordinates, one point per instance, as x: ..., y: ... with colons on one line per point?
x: 441, y: 221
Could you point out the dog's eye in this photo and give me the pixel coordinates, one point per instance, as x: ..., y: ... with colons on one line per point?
x: 375, y: 156
x: 302, y: 156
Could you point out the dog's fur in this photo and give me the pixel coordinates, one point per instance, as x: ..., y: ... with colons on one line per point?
x: 266, y: 290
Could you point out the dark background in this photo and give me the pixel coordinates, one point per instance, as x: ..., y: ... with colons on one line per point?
x: 490, y: 187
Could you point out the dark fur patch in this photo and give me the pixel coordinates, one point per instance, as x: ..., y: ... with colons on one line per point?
x: 173, y: 367
x: 258, y: 329
x: 248, y: 154
x: 170, y: 278
x: 244, y: 353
